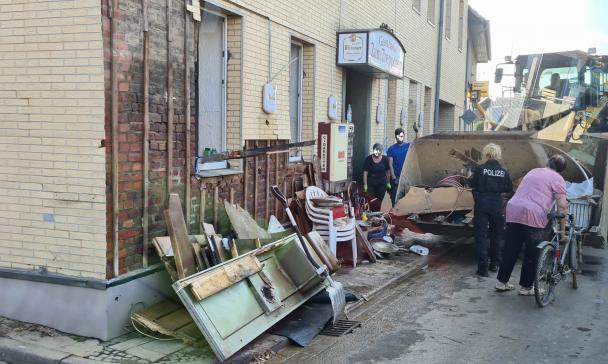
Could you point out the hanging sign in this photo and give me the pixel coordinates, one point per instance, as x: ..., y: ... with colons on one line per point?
x: 374, y: 51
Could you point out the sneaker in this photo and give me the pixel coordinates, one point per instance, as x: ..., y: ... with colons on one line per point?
x: 529, y: 291
x: 502, y: 287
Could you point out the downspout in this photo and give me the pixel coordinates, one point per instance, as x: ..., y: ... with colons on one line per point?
x: 468, y: 78
x: 113, y: 6
x: 438, y: 68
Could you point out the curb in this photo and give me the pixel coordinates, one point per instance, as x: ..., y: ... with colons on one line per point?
x: 13, y: 351
x: 405, y: 275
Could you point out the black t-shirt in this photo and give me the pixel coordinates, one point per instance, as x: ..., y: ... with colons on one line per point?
x: 376, y: 172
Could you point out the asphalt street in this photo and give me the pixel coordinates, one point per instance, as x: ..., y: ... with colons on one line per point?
x: 446, y: 314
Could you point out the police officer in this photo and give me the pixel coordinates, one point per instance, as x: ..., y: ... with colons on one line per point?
x: 489, y: 181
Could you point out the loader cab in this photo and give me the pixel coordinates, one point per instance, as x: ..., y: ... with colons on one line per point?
x: 575, y: 78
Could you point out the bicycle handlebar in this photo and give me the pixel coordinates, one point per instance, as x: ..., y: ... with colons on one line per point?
x: 557, y: 215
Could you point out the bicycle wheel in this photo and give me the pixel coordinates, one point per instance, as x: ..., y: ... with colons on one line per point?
x: 543, y: 280
x: 574, y: 260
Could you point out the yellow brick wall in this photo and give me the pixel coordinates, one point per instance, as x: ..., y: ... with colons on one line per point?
x: 316, y: 23
x: 52, y: 169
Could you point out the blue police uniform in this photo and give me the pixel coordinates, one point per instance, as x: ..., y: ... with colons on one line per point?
x: 489, y: 181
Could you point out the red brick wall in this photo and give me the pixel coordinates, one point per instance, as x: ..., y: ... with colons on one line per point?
x: 128, y: 48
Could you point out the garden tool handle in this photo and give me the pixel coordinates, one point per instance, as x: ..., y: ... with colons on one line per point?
x: 276, y: 192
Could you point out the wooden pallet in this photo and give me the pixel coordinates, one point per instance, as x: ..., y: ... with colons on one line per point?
x: 169, y: 318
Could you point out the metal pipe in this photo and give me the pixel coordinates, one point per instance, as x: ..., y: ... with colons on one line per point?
x: 438, y: 66
x: 113, y: 5
x: 466, y: 86
x: 146, y: 141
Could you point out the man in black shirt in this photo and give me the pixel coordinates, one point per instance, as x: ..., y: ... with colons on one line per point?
x: 489, y: 181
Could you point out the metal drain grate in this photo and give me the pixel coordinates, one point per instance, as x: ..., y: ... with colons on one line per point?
x: 341, y: 327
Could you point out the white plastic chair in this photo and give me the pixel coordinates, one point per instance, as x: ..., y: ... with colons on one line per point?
x: 323, y: 223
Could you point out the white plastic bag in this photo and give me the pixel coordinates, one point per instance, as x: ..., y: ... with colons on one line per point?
x: 420, y: 250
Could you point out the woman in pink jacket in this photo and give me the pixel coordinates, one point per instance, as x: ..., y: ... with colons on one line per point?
x: 526, y: 218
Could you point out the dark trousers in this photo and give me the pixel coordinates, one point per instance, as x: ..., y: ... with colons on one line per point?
x: 393, y: 193
x: 488, y: 226
x: 377, y: 190
x: 516, y: 236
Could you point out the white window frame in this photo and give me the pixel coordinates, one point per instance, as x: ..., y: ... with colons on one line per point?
x: 448, y: 19
x: 298, y: 156
x: 222, y: 164
x: 461, y: 24
x: 417, y: 5
x: 430, y: 8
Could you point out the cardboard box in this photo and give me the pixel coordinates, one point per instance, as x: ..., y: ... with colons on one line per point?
x: 420, y: 200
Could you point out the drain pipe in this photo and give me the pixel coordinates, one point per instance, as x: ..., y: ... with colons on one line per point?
x: 438, y: 68
x: 467, y: 78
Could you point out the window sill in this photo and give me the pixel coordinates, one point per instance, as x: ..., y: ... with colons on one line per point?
x: 219, y: 172
x: 431, y: 23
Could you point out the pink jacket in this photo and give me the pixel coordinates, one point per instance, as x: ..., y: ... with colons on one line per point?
x: 534, y: 198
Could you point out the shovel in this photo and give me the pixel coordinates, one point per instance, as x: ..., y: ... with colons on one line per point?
x: 335, y: 290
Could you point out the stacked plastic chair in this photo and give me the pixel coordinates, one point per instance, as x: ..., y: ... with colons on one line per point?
x: 323, y: 222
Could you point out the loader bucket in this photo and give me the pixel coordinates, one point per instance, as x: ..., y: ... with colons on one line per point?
x: 432, y: 158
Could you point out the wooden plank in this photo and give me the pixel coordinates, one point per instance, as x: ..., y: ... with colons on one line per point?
x: 160, y: 309
x: 209, y: 232
x: 245, y: 188
x: 114, y: 79
x: 224, y: 276
x: 170, y: 125
x: 364, y: 243
x: 203, y: 202
x: 187, y: 25
x: 243, y: 224
x: 255, y: 187
x: 198, y: 256
x: 184, y: 255
x: 313, y: 252
x: 217, y: 239
x: 319, y: 245
x: 169, y: 318
x: 276, y: 183
x: 252, y: 152
x: 216, y: 201
x: 266, y: 191
x: 233, y: 248
x: 317, y: 172
x: 146, y: 137
x: 163, y: 246
x: 175, y: 320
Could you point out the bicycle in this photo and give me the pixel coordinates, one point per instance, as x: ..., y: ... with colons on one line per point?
x: 554, y: 263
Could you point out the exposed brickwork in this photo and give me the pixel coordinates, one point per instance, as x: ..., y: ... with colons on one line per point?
x: 67, y: 44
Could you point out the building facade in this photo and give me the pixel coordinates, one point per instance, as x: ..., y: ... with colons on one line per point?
x: 105, y: 106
